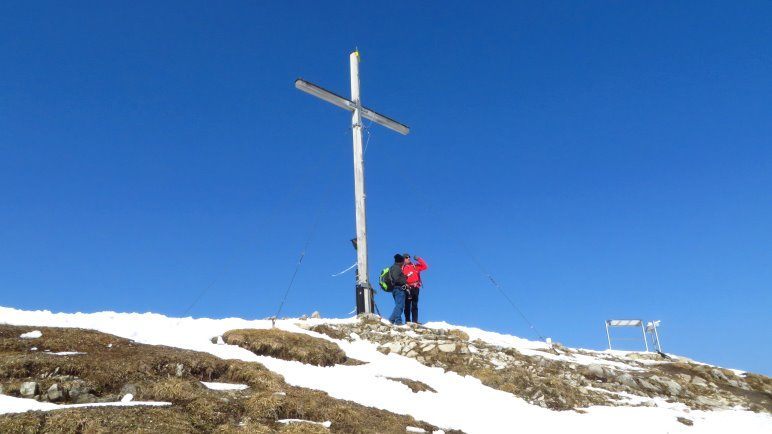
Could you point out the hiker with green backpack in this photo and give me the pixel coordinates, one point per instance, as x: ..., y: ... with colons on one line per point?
x: 393, y: 280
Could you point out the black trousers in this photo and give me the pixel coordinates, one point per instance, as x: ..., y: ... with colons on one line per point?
x: 411, y: 305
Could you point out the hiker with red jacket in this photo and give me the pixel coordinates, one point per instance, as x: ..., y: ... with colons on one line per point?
x: 412, y: 271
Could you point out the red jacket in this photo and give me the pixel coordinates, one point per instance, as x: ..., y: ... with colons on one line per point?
x: 413, y: 272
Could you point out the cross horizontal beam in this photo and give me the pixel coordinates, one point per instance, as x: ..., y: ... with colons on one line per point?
x: 349, y: 105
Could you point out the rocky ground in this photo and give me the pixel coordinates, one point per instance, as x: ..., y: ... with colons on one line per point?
x: 77, y: 366
x: 560, y: 378
x: 106, y: 368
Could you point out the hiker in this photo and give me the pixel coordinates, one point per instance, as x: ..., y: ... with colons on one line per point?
x: 412, y: 273
x: 398, y: 281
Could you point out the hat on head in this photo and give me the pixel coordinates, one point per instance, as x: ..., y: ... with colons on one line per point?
x: 398, y: 258
x: 406, y: 255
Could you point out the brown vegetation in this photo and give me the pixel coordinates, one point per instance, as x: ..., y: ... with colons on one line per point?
x: 113, y: 366
x: 287, y: 346
x: 415, y: 386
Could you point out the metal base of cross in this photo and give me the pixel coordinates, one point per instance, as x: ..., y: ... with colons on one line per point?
x: 360, y: 294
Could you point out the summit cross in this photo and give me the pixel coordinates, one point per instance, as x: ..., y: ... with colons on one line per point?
x: 364, y: 294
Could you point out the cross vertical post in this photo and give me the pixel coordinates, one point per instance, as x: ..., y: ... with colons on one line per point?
x: 363, y: 280
x: 364, y: 291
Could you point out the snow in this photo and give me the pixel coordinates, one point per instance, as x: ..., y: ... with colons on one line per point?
x: 127, y: 397
x: 527, y: 347
x: 10, y: 404
x: 325, y: 424
x: 32, y: 335
x: 460, y: 402
x: 415, y: 429
x: 66, y: 353
x: 224, y: 386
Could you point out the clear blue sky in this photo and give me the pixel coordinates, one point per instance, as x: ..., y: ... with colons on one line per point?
x: 602, y: 160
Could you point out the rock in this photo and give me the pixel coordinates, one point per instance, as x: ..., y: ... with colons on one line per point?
x: 447, y: 348
x: 304, y: 317
x: 685, y: 421
x: 77, y: 389
x: 179, y: 370
x: 699, y: 381
x: 739, y: 384
x: 85, y: 398
x: 129, y: 389
x: 394, y: 347
x: 412, y: 354
x: 29, y: 389
x: 673, y: 388
x: 711, y: 402
x: 369, y: 317
x: 428, y: 347
x: 627, y: 380
x: 316, y: 315
x: 718, y: 375
x: 646, y: 385
x: 55, y: 393
x: 595, y: 371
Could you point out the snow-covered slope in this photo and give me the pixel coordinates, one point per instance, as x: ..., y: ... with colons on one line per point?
x: 457, y: 402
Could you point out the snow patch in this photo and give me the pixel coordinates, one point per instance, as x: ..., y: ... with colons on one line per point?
x: 32, y: 335
x: 10, y: 404
x: 224, y: 386
x: 325, y: 424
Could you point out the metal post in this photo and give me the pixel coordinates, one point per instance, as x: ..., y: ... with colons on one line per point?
x: 608, y: 335
x: 645, y: 341
x: 363, y: 281
x: 656, y: 335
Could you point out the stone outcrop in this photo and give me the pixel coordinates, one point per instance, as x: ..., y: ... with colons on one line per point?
x: 561, y: 378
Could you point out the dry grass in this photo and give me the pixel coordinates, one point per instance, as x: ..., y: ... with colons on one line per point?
x: 153, y: 372
x: 346, y: 417
x: 99, y: 420
x: 330, y: 331
x: 460, y: 334
x: 415, y: 386
x: 287, y: 346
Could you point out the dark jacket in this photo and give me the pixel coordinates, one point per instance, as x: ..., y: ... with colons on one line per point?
x: 398, y: 278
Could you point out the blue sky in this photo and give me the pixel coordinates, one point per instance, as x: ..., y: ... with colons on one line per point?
x: 601, y: 160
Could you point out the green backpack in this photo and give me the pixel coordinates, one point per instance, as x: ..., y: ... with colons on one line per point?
x: 385, y: 280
